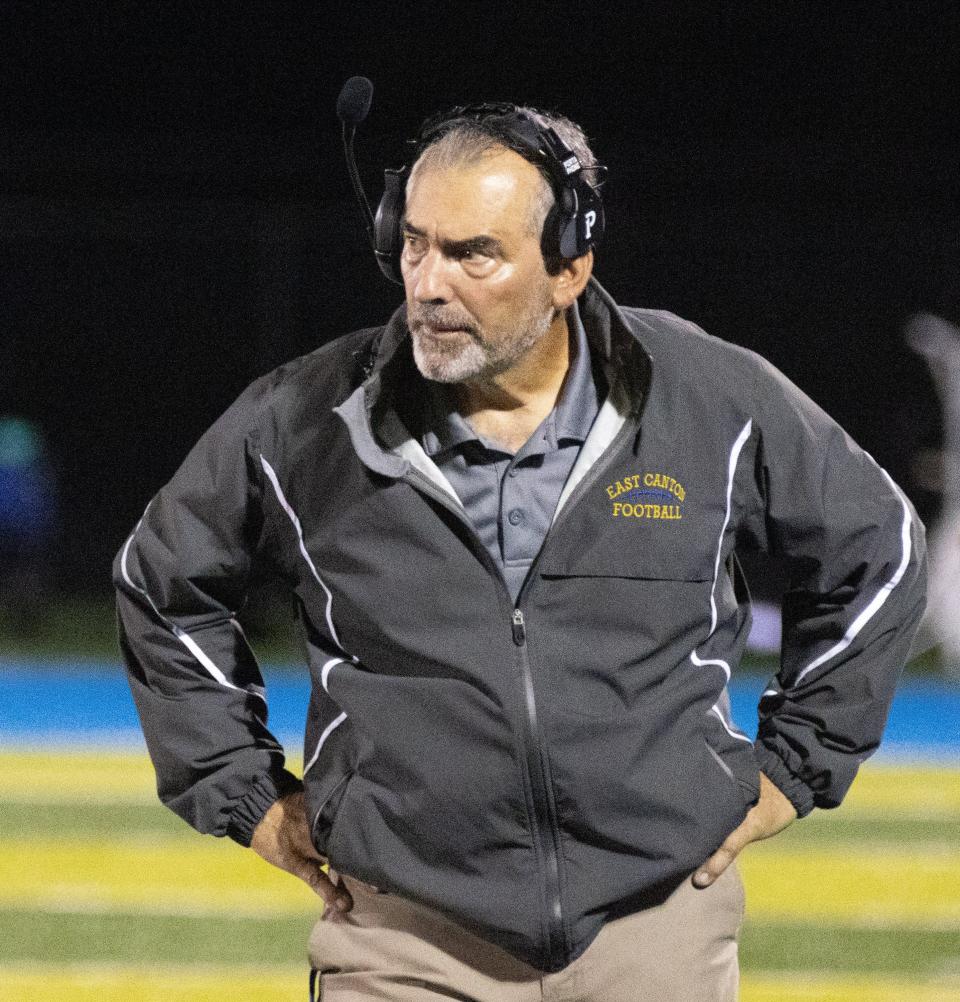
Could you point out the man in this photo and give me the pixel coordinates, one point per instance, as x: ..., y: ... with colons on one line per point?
x: 509, y: 518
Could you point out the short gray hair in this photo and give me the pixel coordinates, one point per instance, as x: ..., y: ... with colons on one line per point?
x: 467, y: 141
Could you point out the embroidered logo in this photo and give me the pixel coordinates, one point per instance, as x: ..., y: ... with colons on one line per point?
x: 647, y: 495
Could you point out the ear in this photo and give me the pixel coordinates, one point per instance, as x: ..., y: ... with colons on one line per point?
x: 571, y: 280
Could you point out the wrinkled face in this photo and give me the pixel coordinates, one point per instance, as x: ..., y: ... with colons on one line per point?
x: 478, y: 294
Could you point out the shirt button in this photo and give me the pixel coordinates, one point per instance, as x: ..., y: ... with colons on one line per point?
x: 512, y: 472
x: 515, y: 517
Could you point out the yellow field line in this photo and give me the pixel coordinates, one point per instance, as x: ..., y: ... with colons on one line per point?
x: 918, y: 791
x: 802, y: 986
x: 197, y: 876
x: 86, y: 775
x: 98, y: 982
x: 201, y: 876
x: 68, y: 774
x: 912, y: 885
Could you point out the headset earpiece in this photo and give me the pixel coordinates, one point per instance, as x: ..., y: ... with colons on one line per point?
x: 388, y: 224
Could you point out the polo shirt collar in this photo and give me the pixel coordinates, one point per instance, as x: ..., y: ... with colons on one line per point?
x: 571, y: 418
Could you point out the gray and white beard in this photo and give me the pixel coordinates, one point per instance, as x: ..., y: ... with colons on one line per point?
x: 446, y: 359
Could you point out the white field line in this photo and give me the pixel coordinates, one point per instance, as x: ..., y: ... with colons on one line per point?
x: 183, y: 909
x: 848, y: 814
x: 124, y: 739
x: 810, y: 986
x: 110, y: 739
x: 173, y: 971
x: 860, y: 923
x: 900, y: 753
x: 881, y: 850
x: 202, y: 982
x: 77, y: 904
x: 804, y: 976
x: 93, y: 798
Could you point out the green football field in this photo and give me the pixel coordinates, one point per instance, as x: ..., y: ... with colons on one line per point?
x: 105, y: 896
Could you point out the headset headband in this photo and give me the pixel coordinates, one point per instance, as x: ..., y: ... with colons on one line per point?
x: 574, y: 225
x: 516, y: 130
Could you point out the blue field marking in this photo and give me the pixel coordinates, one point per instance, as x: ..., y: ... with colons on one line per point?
x: 89, y: 702
x: 924, y: 720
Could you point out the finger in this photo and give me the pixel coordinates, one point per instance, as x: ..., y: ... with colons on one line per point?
x: 334, y: 896
x: 715, y: 865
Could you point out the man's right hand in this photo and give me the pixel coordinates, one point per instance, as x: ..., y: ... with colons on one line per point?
x: 283, y: 839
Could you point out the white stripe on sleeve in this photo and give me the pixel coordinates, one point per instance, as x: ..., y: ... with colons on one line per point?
x: 882, y: 595
x: 292, y: 515
x: 191, y: 645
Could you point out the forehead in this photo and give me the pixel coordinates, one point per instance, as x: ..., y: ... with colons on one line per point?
x: 494, y: 193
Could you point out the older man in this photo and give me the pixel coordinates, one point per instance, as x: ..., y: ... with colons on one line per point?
x: 509, y: 518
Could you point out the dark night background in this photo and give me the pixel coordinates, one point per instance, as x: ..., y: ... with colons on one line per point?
x: 176, y: 216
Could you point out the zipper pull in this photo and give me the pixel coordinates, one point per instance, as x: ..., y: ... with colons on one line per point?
x: 519, y: 630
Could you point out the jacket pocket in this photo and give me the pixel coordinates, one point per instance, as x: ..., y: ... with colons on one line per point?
x: 653, y: 565
x: 326, y: 815
x: 624, y: 632
x: 736, y: 760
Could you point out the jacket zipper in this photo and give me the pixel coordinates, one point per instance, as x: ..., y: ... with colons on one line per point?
x: 543, y: 826
x: 557, y: 948
x: 538, y: 769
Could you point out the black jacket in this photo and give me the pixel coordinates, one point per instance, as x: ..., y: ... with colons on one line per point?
x: 530, y: 771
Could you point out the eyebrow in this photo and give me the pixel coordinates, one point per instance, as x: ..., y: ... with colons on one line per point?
x: 487, y: 245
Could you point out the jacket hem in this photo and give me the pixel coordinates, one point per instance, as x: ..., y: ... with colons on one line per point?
x: 794, y: 789
x: 249, y: 811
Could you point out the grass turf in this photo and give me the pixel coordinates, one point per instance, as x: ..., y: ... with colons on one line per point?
x: 105, y: 895
x: 132, y: 938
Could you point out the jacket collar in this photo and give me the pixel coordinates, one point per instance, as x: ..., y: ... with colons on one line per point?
x: 391, y: 383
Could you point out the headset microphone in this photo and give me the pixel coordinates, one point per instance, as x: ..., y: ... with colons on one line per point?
x: 353, y: 106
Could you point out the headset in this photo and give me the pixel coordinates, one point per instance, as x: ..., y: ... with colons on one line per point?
x: 574, y: 225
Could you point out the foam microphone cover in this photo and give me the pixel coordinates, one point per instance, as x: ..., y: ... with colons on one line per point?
x: 353, y: 104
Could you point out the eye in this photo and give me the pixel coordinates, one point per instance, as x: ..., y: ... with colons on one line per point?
x: 413, y: 243
x: 475, y: 257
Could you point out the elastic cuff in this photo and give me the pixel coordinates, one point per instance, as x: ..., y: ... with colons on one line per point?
x: 795, y: 790
x: 248, y: 812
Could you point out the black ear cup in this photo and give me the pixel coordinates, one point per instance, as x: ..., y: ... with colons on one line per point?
x: 590, y: 220
x: 388, y: 224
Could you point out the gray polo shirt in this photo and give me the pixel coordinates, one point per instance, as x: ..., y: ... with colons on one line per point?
x: 510, y: 499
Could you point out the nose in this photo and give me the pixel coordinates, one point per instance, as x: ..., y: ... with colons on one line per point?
x: 430, y: 279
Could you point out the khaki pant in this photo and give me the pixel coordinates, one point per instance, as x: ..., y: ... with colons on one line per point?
x: 392, y: 950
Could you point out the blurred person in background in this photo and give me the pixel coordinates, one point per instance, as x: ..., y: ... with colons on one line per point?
x: 510, y: 519
x: 937, y: 341
x: 28, y: 522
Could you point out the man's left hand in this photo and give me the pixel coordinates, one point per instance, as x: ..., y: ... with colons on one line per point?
x: 770, y: 815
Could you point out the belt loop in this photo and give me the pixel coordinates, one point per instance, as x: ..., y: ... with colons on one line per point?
x: 314, y: 975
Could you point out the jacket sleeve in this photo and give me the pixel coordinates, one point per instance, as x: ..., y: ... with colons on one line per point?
x: 181, y: 576
x: 853, y: 605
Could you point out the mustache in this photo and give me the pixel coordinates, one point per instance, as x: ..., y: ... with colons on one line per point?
x: 437, y: 316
